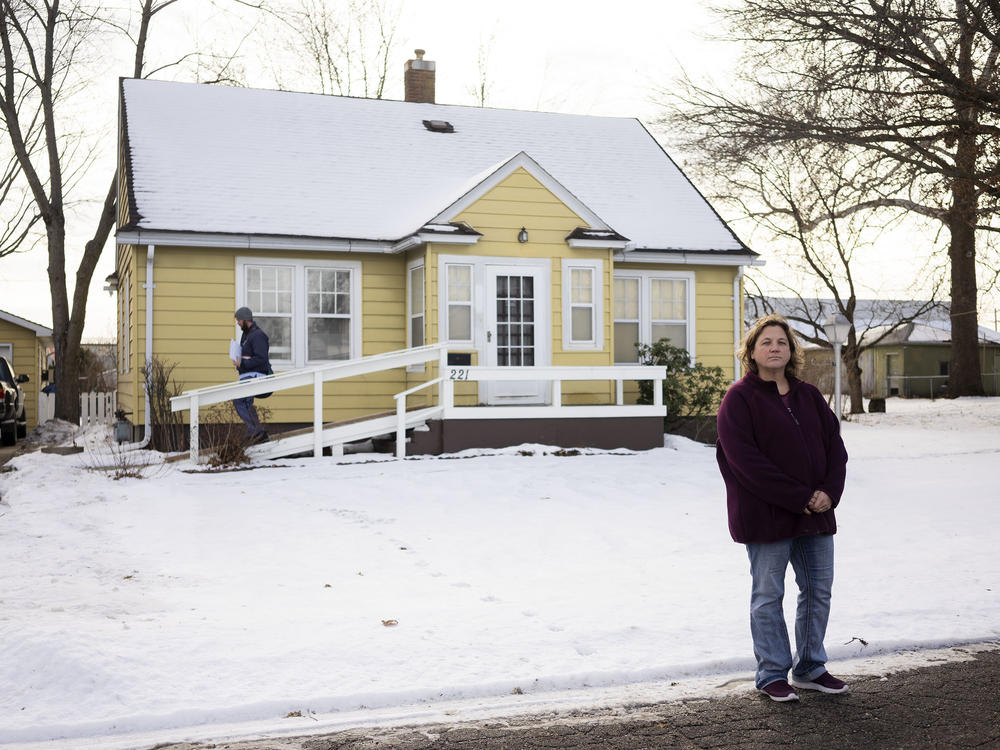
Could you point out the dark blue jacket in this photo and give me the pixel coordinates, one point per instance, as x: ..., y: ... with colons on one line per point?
x: 772, y: 460
x: 253, y: 351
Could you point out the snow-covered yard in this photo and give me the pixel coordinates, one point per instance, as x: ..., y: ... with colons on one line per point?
x: 323, y: 586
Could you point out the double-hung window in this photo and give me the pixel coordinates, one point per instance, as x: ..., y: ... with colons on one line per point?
x: 310, y: 310
x: 582, y: 311
x: 653, y: 305
x: 459, y: 291
x: 415, y: 306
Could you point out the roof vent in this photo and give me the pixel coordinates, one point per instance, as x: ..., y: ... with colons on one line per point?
x: 439, y: 126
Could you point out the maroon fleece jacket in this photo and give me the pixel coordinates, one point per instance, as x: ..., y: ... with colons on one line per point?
x: 772, y: 460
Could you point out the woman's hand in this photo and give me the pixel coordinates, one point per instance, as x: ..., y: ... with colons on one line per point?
x: 820, y: 502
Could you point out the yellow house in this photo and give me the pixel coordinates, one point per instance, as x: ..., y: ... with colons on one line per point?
x: 356, y: 227
x: 25, y: 345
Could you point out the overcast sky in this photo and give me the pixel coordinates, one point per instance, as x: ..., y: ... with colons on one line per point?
x: 586, y: 57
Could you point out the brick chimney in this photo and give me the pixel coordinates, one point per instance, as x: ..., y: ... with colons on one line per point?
x: 418, y: 79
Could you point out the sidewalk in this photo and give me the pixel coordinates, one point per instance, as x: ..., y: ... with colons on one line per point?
x: 954, y: 705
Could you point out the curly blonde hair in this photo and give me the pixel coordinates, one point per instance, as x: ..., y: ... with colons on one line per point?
x: 794, y: 366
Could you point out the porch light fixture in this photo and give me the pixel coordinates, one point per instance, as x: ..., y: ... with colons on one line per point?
x: 837, y: 328
x: 522, y: 236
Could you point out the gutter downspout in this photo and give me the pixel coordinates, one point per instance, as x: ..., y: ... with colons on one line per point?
x: 737, y: 321
x: 148, y: 286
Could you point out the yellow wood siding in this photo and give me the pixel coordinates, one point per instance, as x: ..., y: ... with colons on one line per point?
x: 716, y: 339
x: 195, y: 295
x: 129, y: 389
x: 193, y: 303
x: 518, y: 201
x: 26, y: 360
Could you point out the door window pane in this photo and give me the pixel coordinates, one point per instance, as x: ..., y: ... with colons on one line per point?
x: 515, y: 320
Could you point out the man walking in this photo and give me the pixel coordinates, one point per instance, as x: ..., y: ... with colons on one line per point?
x: 253, y: 363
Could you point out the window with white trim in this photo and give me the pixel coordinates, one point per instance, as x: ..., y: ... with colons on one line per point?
x: 415, y: 294
x: 459, y: 295
x: 581, y: 304
x: 269, y: 297
x: 310, y: 310
x: 652, y: 305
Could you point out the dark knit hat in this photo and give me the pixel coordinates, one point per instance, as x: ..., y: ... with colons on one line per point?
x: 244, y: 314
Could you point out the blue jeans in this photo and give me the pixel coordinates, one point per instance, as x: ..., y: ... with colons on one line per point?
x: 244, y: 407
x: 812, y: 560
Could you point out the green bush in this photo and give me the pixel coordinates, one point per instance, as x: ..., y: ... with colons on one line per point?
x: 691, y: 391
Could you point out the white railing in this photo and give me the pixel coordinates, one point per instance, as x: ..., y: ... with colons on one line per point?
x: 96, y: 407
x: 555, y: 376
x: 315, y: 376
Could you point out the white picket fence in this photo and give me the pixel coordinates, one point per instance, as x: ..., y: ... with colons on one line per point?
x: 95, y: 408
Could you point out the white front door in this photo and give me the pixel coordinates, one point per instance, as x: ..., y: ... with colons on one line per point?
x: 517, y: 324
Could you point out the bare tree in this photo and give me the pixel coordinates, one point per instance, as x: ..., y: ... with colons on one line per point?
x: 484, y: 84
x: 800, y: 196
x: 48, y: 51
x: 343, y: 48
x: 915, y: 84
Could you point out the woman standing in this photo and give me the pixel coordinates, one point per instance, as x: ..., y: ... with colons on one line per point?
x: 784, y: 463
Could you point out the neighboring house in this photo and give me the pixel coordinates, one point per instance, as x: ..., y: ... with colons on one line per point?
x: 354, y: 227
x: 26, y: 346
x: 909, y: 360
x: 913, y: 360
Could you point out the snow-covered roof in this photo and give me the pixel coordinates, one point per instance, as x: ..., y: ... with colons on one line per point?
x: 925, y: 332
x: 873, y: 318
x: 255, y: 162
x: 38, y: 330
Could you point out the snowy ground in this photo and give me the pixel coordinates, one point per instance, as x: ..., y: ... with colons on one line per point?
x: 184, y: 605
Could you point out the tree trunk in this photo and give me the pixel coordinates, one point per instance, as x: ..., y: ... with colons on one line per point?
x: 964, y: 372
x: 67, y: 345
x: 850, y: 358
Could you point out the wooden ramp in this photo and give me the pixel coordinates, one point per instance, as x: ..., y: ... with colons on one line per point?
x: 333, y: 434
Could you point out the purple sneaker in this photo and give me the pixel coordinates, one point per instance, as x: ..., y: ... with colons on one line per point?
x: 825, y: 683
x: 780, y: 691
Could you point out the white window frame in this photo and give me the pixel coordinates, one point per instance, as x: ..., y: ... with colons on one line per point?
x: 543, y: 301
x: 411, y: 294
x: 596, y: 267
x: 299, y: 303
x: 412, y: 266
x: 7, y: 351
x: 471, y: 303
x: 645, y: 297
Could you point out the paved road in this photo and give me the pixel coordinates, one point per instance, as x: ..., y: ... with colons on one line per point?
x: 955, y: 705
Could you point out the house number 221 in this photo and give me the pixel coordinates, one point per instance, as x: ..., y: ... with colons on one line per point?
x: 458, y: 373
